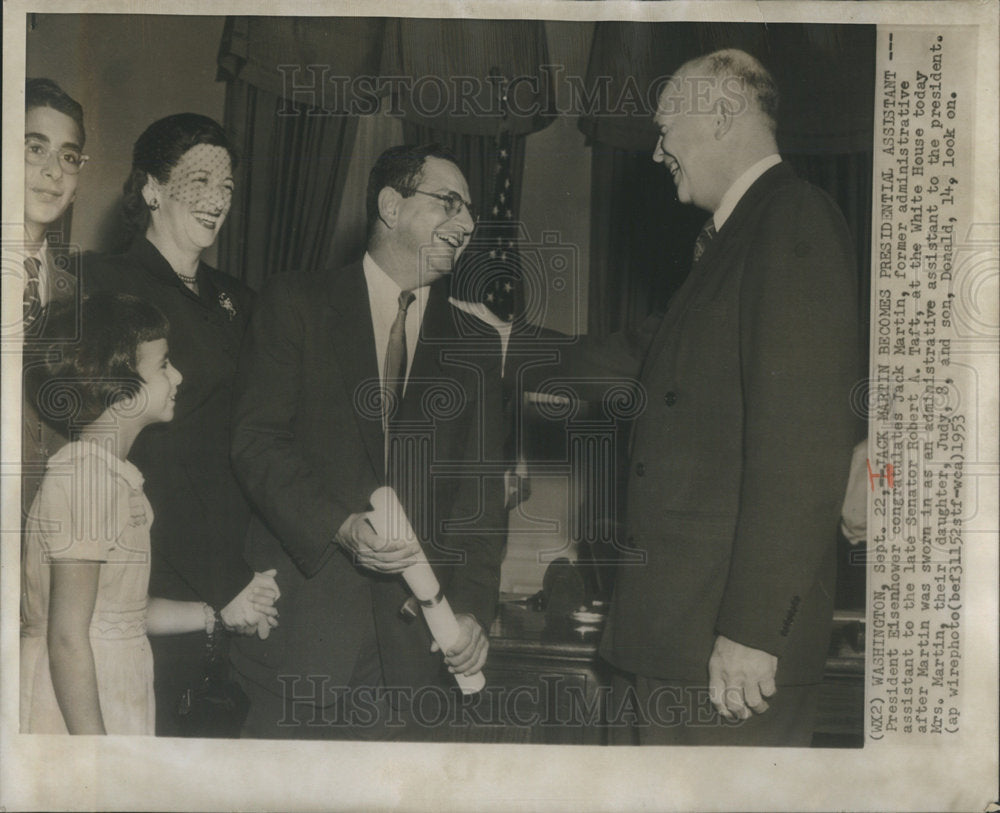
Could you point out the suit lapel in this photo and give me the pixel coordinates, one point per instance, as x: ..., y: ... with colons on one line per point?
x: 437, y: 335
x: 435, y: 329
x: 61, y: 272
x: 353, y: 343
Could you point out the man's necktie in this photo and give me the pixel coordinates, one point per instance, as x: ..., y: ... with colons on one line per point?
x: 394, y: 373
x: 32, y: 296
x: 704, y: 238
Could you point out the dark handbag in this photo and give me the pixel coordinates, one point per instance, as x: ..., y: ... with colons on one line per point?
x: 216, y: 706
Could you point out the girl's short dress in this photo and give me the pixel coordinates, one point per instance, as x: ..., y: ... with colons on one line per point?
x: 90, y: 507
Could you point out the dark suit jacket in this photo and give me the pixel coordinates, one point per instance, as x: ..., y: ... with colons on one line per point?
x: 200, y: 511
x: 740, y: 459
x: 308, y: 446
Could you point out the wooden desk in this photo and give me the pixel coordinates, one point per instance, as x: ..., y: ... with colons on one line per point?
x: 551, y: 676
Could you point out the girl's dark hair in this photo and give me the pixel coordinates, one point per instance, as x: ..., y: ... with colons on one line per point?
x: 78, y: 380
x: 157, y: 151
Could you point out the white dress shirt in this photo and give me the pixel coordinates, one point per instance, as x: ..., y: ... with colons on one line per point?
x: 383, y: 297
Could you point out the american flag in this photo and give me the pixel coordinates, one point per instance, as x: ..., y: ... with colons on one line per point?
x: 500, y: 292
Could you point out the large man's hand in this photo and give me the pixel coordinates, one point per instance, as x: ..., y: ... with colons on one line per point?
x: 467, y: 655
x: 372, y: 551
x: 738, y: 676
x: 253, y: 609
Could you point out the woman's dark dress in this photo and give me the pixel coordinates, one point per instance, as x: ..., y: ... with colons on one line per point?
x: 201, y: 513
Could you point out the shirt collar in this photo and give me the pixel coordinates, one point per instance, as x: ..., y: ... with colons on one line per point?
x: 379, y: 283
x: 739, y: 188
x: 44, y: 256
x: 383, y: 289
x: 123, y: 469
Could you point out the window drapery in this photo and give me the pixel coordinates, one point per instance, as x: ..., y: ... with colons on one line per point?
x: 290, y: 182
x: 291, y: 117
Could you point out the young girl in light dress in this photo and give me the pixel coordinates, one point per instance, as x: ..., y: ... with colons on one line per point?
x: 86, y: 664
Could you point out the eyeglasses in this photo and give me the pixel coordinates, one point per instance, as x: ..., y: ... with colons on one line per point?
x: 37, y: 153
x: 453, y: 202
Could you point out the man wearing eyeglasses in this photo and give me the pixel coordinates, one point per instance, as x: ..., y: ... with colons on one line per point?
x: 348, y: 381
x: 53, y: 144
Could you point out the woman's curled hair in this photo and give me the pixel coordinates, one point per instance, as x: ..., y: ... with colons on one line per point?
x: 157, y: 151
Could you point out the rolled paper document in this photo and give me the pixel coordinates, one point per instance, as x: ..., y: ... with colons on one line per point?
x: 389, y: 521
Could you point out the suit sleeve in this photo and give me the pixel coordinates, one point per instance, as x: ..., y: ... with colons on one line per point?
x: 799, y: 360
x: 298, y: 505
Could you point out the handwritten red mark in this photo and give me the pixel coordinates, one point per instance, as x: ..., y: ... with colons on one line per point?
x: 887, y: 475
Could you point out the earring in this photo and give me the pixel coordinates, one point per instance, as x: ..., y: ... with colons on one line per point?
x: 153, y: 205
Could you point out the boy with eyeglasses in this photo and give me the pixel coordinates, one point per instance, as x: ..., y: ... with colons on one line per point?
x: 53, y: 157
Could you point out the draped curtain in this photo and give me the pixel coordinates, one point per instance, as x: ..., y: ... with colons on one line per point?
x: 296, y: 87
x: 641, y: 237
x: 492, y: 75
x: 294, y: 126
x: 291, y: 179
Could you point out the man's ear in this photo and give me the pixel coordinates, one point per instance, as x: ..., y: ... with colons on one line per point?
x: 388, y: 206
x: 723, y: 118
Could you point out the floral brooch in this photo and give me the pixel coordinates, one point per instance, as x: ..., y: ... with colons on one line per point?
x: 227, y: 305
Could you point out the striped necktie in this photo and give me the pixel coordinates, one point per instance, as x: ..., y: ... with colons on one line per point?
x: 394, y: 371
x: 32, y: 294
x: 705, y: 237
